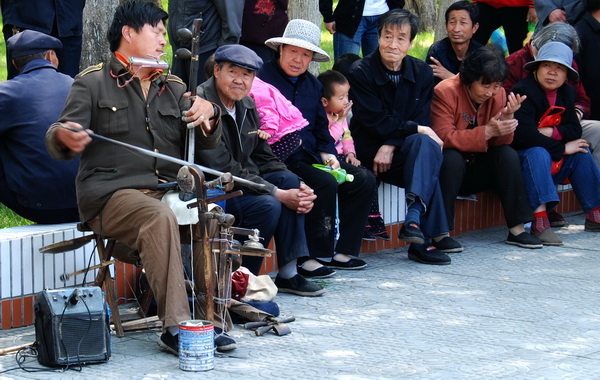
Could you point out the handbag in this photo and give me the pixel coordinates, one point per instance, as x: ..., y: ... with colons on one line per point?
x: 550, y: 119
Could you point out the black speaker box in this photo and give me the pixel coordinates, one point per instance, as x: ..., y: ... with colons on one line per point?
x: 71, y: 327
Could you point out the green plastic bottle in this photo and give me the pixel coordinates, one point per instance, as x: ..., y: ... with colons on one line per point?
x: 340, y: 174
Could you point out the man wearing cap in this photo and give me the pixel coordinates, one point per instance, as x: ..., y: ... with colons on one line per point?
x: 32, y: 184
x: 392, y: 95
x: 298, y: 46
x: 278, y: 210
x: 117, y: 188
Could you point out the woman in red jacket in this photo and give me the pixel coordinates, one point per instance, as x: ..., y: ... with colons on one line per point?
x: 471, y: 114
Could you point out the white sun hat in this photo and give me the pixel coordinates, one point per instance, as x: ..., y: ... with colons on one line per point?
x: 303, y: 34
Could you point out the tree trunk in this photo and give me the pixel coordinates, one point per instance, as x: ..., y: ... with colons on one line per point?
x: 440, y: 24
x: 425, y: 11
x: 306, y: 10
x: 97, y: 17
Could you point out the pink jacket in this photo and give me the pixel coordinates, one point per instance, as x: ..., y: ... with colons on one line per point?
x: 341, y: 136
x: 278, y: 116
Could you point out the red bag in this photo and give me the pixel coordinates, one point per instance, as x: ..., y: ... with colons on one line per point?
x: 550, y: 119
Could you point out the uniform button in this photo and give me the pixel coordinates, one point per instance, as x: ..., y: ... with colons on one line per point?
x: 156, y: 171
x: 148, y: 129
x: 114, y: 109
x: 156, y: 150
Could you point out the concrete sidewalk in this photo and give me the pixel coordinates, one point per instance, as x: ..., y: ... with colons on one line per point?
x: 498, y: 311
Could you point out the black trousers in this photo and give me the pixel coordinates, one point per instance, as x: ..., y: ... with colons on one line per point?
x: 513, y: 19
x: 498, y: 169
x: 353, y: 200
x: 272, y: 219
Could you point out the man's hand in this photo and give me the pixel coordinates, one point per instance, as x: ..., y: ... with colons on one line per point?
x: 576, y: 146
x: 352, y: 160
x: 330, y: 26
x: 440, y: 71
x: 383, y: 159
x: 512, y: 105
x: 66, y: 137
x: 496, y: 127
x: 299, y: 200
x: 199, y: 114
x: 557, y: 15
x: 429, y: 132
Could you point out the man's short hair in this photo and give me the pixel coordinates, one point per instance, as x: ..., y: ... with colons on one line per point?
x: 135, y: 14
x: 486, y: 63
x: 399, y: 17
x: 464, y: 5
x: 328, y: 79
x: 19, y: 62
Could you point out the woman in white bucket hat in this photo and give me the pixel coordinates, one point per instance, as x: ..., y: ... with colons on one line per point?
x: 548, y: 140
x: 300, y: 45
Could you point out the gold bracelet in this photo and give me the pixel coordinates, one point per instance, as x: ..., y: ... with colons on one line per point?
x: 328, y: 160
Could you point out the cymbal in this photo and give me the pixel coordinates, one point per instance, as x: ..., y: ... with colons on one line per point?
x: 67, y: 245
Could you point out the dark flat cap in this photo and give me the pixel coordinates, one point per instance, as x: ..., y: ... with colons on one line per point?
x: 239, y: 55
x: 31, y: 42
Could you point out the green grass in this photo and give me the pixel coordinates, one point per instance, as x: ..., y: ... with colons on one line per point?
x: 9, y: 219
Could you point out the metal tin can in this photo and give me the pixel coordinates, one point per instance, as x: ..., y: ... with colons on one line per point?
x: 196, y: 345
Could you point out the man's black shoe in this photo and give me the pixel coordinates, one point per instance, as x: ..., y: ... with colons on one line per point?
x: 352, y: 264
x: 448, y: 245
x: 427, y: 254
x: 298, y: 285
x: 411, y: 232
x: 322, y: 272
x: 169, y: 343
x: 223, y: 342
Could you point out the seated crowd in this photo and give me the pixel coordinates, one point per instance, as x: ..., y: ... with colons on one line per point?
x: 463, y: 121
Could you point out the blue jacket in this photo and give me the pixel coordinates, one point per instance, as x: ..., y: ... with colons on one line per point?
x: 305, y: 94
x: 29, y: 104
x: 383, y: 113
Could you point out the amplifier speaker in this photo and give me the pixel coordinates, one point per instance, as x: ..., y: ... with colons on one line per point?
x: 71, y: 326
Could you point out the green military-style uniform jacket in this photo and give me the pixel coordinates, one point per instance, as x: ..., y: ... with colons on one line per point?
x: 101, y: 102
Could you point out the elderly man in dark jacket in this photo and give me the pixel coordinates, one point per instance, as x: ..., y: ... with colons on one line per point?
x: 279, y: 209
x: 392, y: 95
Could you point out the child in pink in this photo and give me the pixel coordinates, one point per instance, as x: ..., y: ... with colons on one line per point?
x: 280, y: 120
x: 337, y: 106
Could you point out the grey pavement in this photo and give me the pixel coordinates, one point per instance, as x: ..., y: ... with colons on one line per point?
x: 498, y: 312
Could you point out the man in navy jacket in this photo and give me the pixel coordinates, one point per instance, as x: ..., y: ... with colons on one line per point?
x: 32, y: 183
